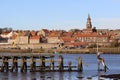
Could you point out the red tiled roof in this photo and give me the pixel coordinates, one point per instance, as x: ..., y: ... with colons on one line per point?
x: 90, y: 35
x: 53, y: 34
x: 86, y: 35
x: 46, y: 30
x: 33, y: 33
x: 67, y: 34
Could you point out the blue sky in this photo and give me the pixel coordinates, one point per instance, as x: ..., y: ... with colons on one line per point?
x: 59, y: 14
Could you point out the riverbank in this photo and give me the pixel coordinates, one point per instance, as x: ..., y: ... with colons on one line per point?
x: 62, y: 51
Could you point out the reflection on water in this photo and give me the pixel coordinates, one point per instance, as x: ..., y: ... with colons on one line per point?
x: 49, y: 76
x: 89, y: 72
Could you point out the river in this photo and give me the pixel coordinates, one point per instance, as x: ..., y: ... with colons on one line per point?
x: 89, y: 72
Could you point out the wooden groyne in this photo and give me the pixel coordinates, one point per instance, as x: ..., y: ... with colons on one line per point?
x: 27, y: 61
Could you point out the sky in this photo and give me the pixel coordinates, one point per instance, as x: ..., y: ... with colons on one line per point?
x: 59, y: 14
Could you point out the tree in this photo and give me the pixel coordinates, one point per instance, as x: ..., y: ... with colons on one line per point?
x: 0, y: 30
x: 94, y: 29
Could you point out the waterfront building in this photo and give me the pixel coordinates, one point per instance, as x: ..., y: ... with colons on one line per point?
x: 34, y: 39
x: 53, y: 37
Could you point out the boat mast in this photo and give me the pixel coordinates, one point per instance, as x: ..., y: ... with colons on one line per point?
x: 97, y: 42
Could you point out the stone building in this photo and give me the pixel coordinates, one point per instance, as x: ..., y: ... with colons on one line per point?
x: 34, y: 40
x: 54, y: 37
x: 19, y: 38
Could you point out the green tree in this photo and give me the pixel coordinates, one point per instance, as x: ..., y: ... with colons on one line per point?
x: 94, y: 29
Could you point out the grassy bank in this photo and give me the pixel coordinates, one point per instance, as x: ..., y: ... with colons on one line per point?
x: 106, y: 50
x: 90, y: 50
x: 44, y: 51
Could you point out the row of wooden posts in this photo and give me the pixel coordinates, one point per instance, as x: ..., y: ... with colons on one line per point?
x: 23, y: 67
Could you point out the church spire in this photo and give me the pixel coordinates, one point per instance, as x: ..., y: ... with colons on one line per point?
x: 88, y: 23
x: 88, y: 16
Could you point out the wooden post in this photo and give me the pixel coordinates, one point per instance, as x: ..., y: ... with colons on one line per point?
x: 69, y: 65
x: 60, y: 62
x: 6, y: 64
x: 23, y: 64
x: 105, y: 67
x: 80, y: 66
x: 2, y: 66
x: 98, y: 65
x: 42, y: 63
x: 101, y: 60
x: 51, y: 63
x: 32, y: 64
x: 14, y: 64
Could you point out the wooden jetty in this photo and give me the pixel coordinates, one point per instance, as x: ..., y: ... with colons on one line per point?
x: 19, y: 62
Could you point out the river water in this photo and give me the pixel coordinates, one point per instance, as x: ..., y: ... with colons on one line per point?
x: 89, y: 72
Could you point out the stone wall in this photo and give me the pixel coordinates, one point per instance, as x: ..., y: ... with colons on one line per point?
x: 32, y: 46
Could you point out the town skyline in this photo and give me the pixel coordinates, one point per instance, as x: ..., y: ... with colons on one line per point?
x: 59, y: 15
x: 89, y: 36
x: 88, y: 26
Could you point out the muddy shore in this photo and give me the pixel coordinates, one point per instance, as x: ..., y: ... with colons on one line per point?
x: 113, y: 76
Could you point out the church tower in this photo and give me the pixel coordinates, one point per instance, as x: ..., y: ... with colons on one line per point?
x: 88, y: 28
x: 88, y: 23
